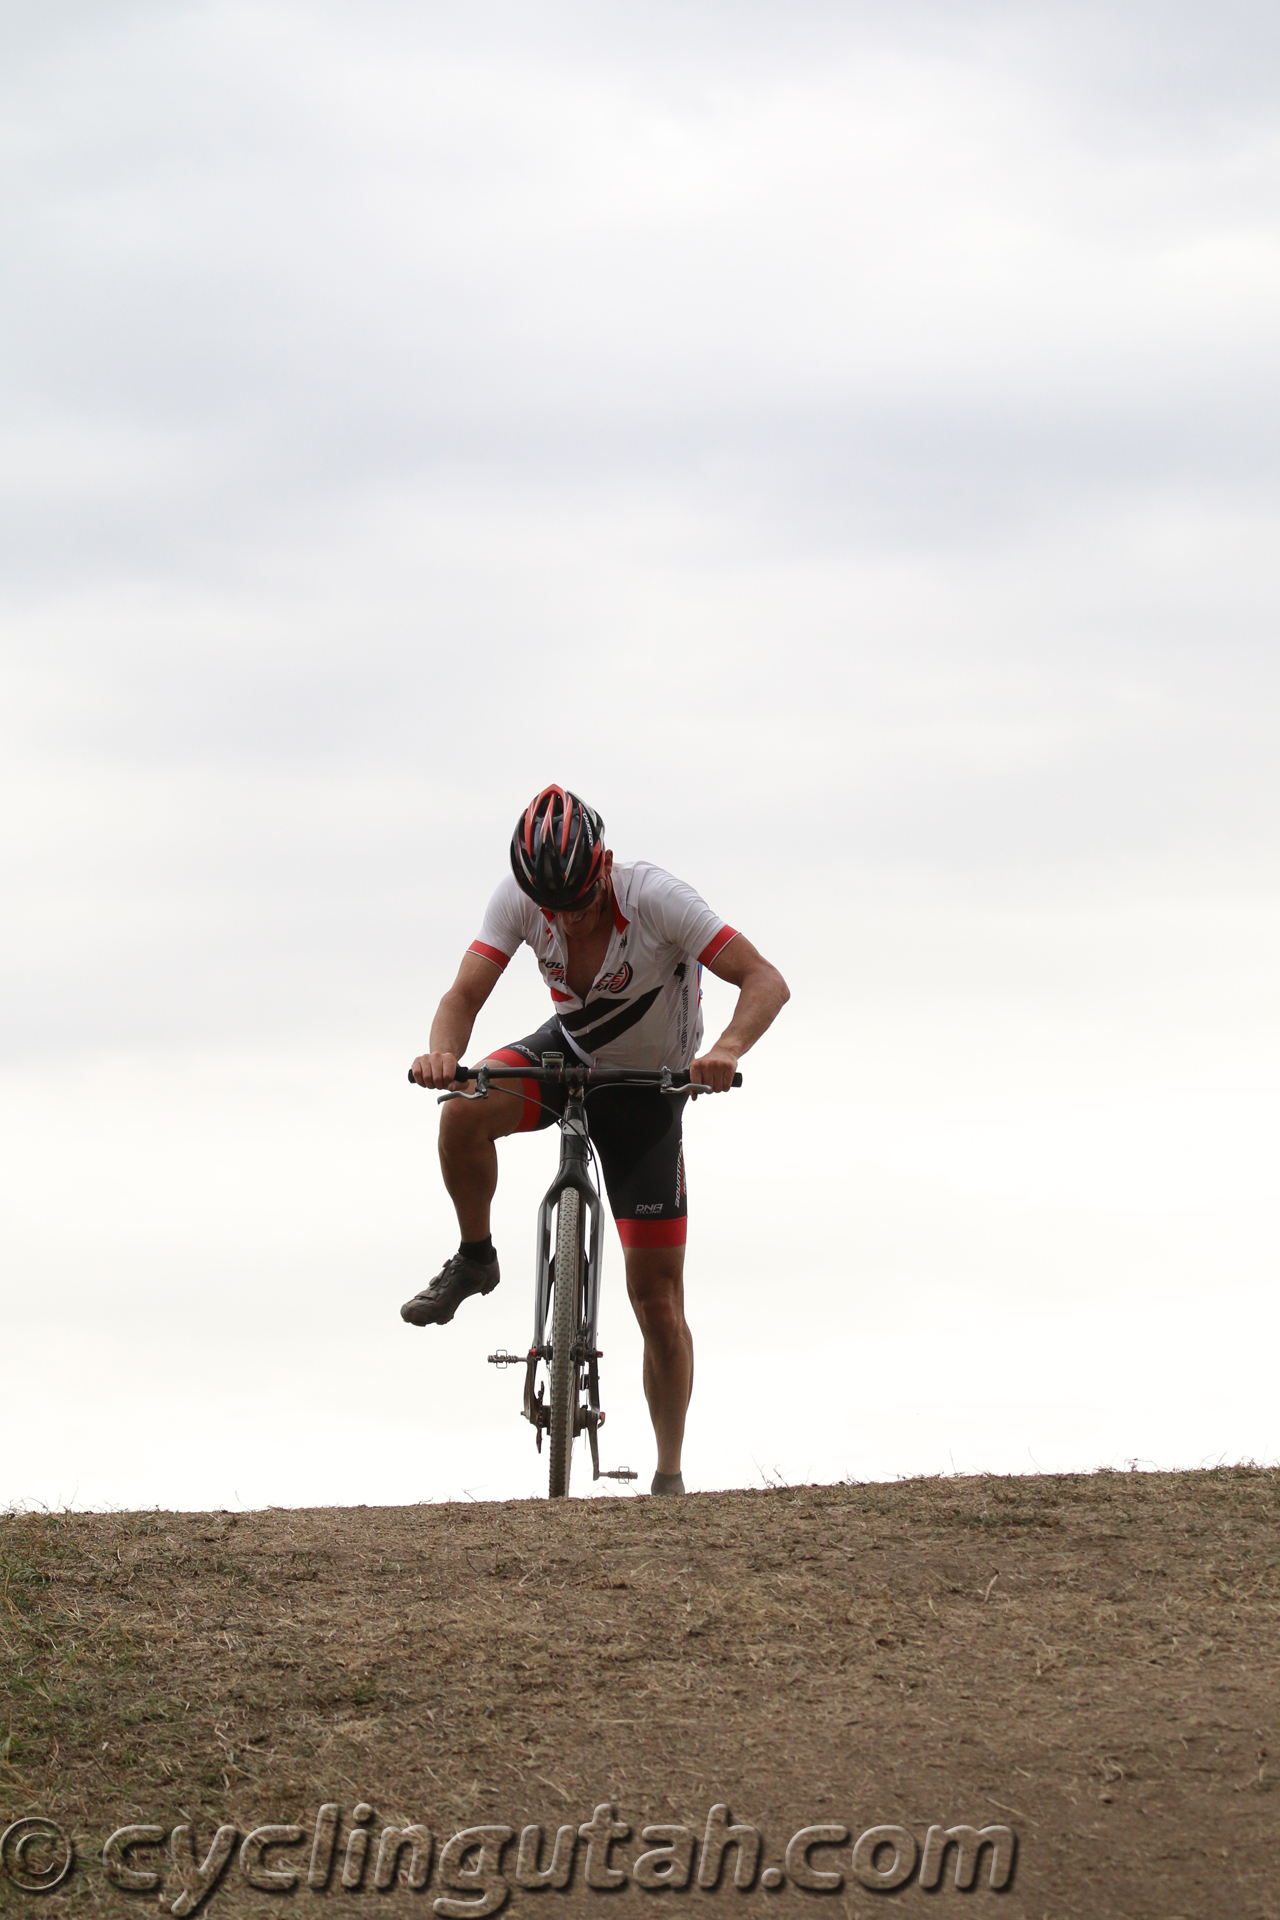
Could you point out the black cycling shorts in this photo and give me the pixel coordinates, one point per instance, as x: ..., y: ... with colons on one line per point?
x: 635, y: 1131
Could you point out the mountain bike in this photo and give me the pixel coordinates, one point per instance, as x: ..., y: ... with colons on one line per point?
x: 569, y: 1262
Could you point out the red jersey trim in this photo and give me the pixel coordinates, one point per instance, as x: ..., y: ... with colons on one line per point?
x: 717, y: 945
x: 620, y: 920
x: 499, y: 959
x: 560, y: 998
x: 653, y: 1233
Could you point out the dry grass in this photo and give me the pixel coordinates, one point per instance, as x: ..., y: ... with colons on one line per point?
x: 1091, y: 1660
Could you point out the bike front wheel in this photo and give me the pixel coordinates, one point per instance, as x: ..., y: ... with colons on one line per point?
x: 566, y: 1294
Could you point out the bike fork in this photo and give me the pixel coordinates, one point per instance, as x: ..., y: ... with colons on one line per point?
x: 572, y: 1173
x: 546, y: 1264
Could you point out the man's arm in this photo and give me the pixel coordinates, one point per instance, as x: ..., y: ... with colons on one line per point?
x: 762, y: 994
x: 455, y: 1017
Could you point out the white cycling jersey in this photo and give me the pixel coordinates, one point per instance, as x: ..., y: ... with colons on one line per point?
x: 644, y: 1008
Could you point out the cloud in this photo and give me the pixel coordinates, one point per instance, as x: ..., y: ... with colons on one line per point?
x: 874, y: 278
x: 839, y: 439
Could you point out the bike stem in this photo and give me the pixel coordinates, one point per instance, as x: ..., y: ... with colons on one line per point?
x: 572, y: 1172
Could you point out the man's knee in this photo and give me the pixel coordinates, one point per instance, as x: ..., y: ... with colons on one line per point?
x: 656, y: 1289
x: 469, y: 1123
x: 459, y: 1122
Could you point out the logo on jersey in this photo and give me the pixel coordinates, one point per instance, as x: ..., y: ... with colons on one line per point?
x: 615, y: 982
x: 646, y: 1206
x: 552, y: 970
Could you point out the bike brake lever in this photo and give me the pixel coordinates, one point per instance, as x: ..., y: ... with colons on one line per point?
x: 481, y: 1092
x: 694, y: 1086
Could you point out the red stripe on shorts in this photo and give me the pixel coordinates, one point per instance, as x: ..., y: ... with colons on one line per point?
x: 531, y: 1089
x: 653, y: 1233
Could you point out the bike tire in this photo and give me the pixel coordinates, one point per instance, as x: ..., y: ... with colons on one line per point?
x: 565, y: 1294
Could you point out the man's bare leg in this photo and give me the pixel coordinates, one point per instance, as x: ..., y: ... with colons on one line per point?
x: 469, y: 1158
x: 469, y: 1163
x: 655, y: 1284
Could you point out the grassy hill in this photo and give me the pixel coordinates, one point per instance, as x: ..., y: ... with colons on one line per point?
x: 1089, y: 1662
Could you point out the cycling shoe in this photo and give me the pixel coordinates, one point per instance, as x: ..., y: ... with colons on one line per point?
x: 456, y: 1281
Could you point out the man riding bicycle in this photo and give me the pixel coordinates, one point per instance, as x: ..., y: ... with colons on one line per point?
x: 622, y: 948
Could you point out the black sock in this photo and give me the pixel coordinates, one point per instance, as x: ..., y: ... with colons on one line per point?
x: 481, y: 1250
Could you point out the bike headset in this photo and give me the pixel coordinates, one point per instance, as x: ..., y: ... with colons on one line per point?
x: 557, y: 850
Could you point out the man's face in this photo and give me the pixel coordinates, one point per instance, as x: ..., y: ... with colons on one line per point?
x: 585, y: 918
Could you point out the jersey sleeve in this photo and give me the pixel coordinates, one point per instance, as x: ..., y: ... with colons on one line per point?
x: 504, y: 926
x: 682, y: 917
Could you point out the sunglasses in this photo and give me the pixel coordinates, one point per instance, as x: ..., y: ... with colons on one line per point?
x: 585, y: 904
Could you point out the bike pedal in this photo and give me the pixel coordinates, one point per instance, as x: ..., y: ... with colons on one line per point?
x: 504, y: 1359
x: 618, y: 1473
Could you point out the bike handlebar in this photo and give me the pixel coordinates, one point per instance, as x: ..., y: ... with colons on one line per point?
x: 593, y: 1076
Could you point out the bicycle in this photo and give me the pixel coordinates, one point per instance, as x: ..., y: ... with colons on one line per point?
x: 571, y: 1356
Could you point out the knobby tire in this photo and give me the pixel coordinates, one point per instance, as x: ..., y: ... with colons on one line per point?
x: 565, y: 1295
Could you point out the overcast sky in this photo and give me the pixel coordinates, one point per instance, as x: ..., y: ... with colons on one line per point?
x: 840, y: 440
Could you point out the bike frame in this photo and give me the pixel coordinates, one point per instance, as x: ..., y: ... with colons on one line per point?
x: 573, y: 1171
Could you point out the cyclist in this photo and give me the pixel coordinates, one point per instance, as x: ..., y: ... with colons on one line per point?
x: 621, y: 947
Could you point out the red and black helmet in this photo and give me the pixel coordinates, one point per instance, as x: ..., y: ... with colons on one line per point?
x: 557, y: 849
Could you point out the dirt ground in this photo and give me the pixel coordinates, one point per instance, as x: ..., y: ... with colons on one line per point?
x: 1089, y: 1663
